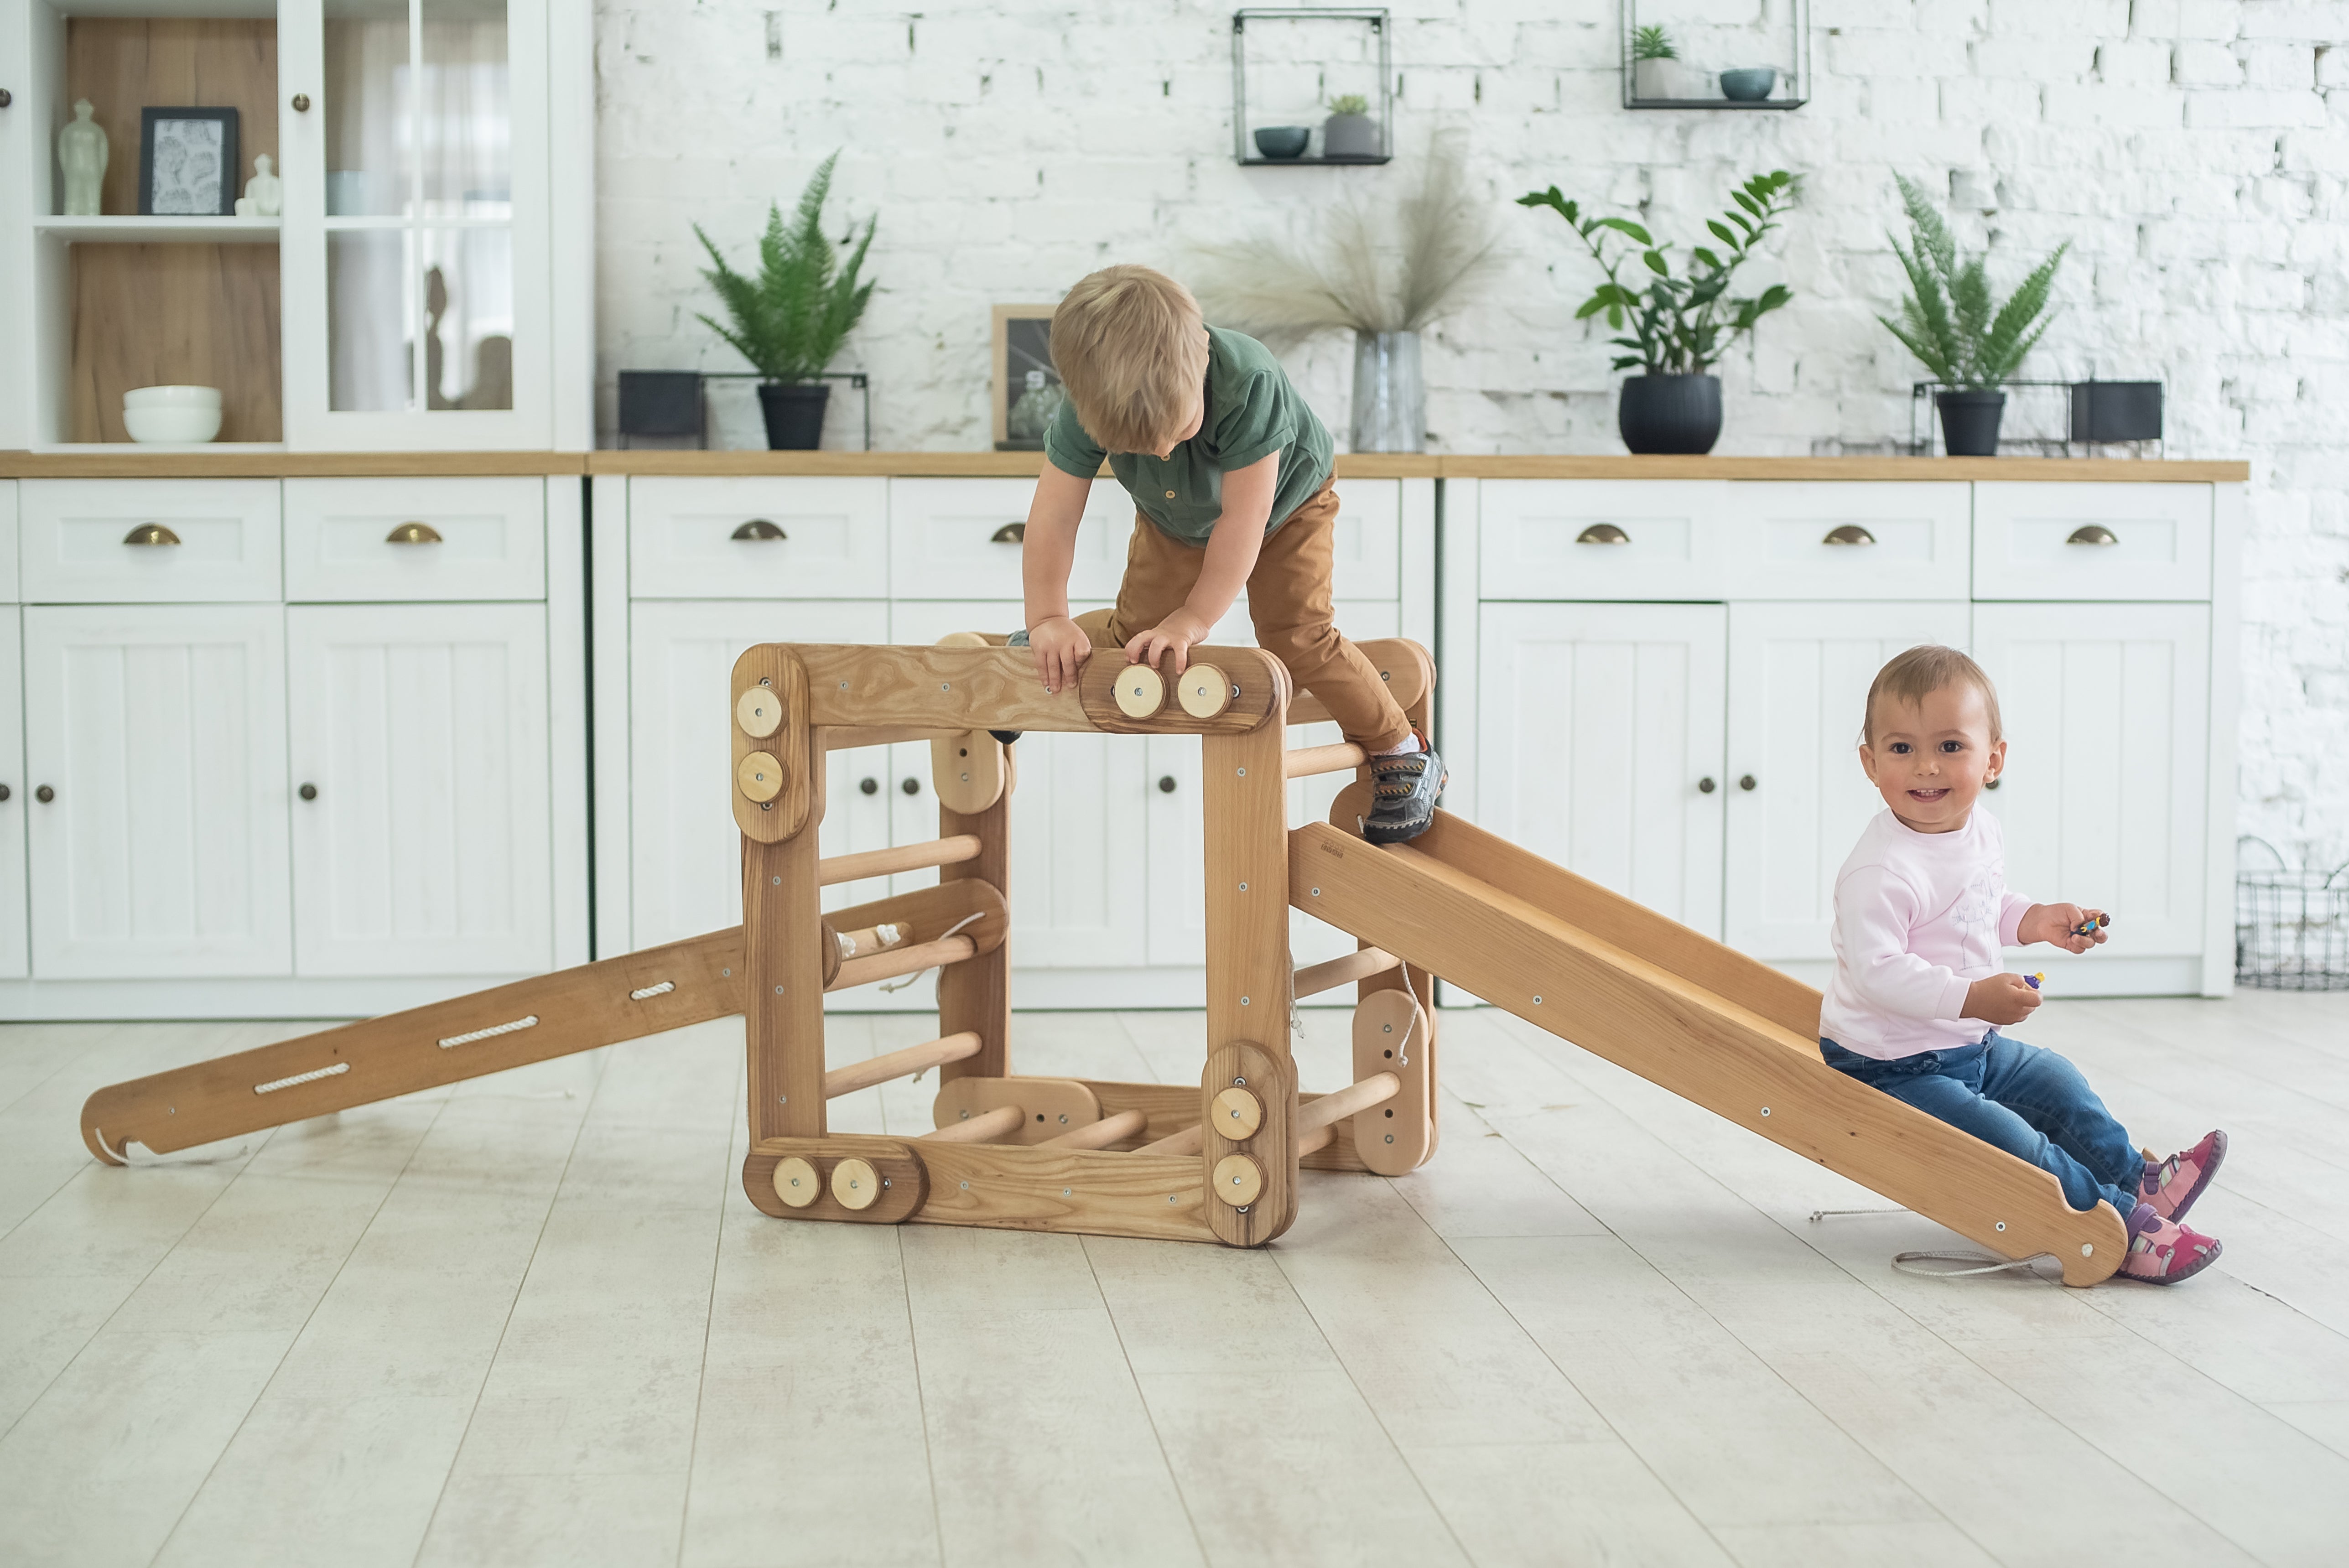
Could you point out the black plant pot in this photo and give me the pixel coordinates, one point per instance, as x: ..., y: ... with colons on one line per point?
x: 1678, y: 414
x: 1970, y: 422
x: 794, y: 411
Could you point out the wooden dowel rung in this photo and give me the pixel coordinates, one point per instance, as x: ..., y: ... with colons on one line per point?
x: 1307, y: 760
x: 895, y: 961
x: 1100, y: 1134
x: 902, y: 858
x: 1340, y: 1104
x: 1184, y: 1142
x: 985, y: 1127
x: 900, y: 1064
x: 1321, y: 1138
x: 1316, y: 978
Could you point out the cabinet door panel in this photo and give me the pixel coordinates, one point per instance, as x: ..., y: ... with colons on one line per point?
x: 161, y: 731
x: 15, y: 957
x: 1799, y: 682
x: 1595, y: 723
x: 685, y: 851
x: 2105, y: 710
x: 423, y: 730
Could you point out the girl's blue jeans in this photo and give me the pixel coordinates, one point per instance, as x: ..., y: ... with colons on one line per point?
x: 2030, y: 1102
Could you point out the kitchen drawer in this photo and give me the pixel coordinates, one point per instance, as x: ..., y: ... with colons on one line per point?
x: 757, y: 537
x: 1604, y: 539
x: 75, y: 544
x: 947, y: 539
x: 356, y: 539
x: 2092, y: 541
x: 1846, y: 540
x: 7, y: 541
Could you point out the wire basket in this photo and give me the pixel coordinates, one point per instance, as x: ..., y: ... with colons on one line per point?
x: 2291, y: 928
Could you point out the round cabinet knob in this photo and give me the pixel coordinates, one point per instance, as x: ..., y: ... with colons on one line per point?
x: 4, y: 789
x: 308, y: 791
x: 911, y: 785
x: 868, y: 786
x: 1166, y: 785
x: 1705, y: 786
x: 301, y: 103
x: 1745, y: 782
x: 7, y: 98
x: 45, y: 794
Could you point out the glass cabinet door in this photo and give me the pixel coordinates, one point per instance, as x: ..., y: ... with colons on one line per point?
x: 416, y: 224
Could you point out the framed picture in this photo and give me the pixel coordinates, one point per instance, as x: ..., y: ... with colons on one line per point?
x: 188, y: 162
x: 1027, y: 387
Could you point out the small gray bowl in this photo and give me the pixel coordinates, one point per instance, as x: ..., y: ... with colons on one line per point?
x: 1282, y: 140
x: 1751, y: 85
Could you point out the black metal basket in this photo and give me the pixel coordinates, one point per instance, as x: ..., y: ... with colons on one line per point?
x: 2291, y: 928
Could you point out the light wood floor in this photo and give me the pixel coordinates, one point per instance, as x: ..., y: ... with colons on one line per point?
x: 534, y: 1321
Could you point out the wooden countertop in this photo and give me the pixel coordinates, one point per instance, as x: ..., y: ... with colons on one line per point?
x: 132, y: 463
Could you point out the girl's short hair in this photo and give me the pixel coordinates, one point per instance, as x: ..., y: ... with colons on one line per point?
x: 1908, y: 678
x: 1132, y: 350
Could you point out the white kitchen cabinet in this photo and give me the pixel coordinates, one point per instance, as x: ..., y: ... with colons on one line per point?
x: 1844, y: 540
x: 1598, y: 725
x: 740, y: 538
x: 159, y: 734
x: 150, y: 541
x: 2066, y: 542
x: 2105, y: 710
x: 411, y: 540
x: 419, y: 762
x: 1798, y: 680
x: 685, y: 852
x: 15, y: 952
x: 1604, y: 539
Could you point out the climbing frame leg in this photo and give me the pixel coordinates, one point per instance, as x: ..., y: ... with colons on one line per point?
x: 1249, y: 976
x: 783, y: 935
x: 975, y: 994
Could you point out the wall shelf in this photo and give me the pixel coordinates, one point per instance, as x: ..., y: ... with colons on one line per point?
x: 1780, y: 38
x: 134, y: 231
x: 1292, y: 70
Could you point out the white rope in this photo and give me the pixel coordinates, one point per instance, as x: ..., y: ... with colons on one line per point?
x: 663, y: 989
x: 149, y: 1159
x: 1908, y: 1262
x: 454, y: 1040
x: 949, y: 931
x: 274, y: 1085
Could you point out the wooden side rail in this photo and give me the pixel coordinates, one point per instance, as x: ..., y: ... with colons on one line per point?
x: 1100, y: 1134
x: 984, y: 1128
x: 1316, y: 1114
x: 1316, y: 978
x: 918, y: 857
x: 849, y: 736
x: 1307, y: 760
x: 890, y: 963
x: 900, y: 1064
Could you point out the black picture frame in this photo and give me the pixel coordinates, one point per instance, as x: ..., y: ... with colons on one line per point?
x: 180, y: 182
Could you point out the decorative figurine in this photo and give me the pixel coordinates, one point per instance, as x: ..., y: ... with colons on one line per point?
x: 2090, y: 927
x: 2036, y: 981
x: 82, y: 154
x: 265, y: 194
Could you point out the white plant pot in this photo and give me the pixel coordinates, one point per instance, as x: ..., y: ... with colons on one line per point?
x: 1657, y: 79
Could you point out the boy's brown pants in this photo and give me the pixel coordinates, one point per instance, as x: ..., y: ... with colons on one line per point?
x: 1289, y: 600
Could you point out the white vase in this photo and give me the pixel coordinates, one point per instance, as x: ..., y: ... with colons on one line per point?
x: 81, y: 155
x: 1653, y: 79
x: 1389, y: 397
x: 265, y: 191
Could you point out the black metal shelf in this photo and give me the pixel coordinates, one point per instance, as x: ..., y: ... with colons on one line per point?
x: 1254, y: 162
x: 1381, y: 25
x: 1715, y: 103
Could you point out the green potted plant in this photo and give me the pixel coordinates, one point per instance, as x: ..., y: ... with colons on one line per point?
x: 1677, y: 325
x: 1655, y: 64
x: 790, y: 320
x: 1350, y: 131
x: 1950, y: 322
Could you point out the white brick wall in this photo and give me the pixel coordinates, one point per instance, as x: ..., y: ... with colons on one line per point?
x: 2196, y: 152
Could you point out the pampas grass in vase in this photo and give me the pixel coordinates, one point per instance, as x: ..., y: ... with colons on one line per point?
x: 1382, y: 273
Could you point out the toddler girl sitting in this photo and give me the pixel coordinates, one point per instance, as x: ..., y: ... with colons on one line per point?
x: 1916, y: 1000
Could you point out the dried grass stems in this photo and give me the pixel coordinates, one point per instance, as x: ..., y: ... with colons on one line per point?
x: 1361, y: 270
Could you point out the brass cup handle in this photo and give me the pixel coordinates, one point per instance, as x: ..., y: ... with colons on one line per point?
x: 1848, y: 533
x: 150, y: 533
x: 308, y: 791
x: 2093, y: 533
x: 759, y: 530
x: 45, y: 794
x: 1602, y: 534
x: 414, y: 533
x: 301, y: 103
x: 1009, y: 533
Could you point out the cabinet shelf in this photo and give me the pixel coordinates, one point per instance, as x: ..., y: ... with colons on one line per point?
x: 143, y: 230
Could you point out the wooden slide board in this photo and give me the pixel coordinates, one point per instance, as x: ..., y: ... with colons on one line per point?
x: 1418, y: 901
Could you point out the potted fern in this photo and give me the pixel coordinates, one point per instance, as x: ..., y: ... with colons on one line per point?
x: 790, y: 320
x: 1677, y: 325
x: 1950, y: 322
x: 1655, y: 65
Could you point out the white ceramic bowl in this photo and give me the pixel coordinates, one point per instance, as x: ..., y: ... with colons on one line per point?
x: 172, y: 398
x: 183, y: 425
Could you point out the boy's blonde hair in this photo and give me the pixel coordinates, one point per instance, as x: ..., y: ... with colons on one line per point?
x: 1908, y: 678
x: 1132, y: 350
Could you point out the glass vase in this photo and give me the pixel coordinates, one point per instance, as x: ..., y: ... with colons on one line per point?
x: 1389, y: 397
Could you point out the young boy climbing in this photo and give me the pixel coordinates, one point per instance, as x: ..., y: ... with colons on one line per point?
x: 1231, y: 473
x: 1917, y: 1001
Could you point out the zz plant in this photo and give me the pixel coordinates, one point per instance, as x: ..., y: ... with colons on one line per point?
x: 1949, y: 320
x: 1678, y: 324
x: 790, y: 320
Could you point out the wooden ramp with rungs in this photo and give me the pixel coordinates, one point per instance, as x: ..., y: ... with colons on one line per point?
x: 1682, y: 1011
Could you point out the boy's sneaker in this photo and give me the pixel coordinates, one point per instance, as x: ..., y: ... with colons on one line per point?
x: 2171, y: 1185
x: 1402, y: 796
x: 2163, y: 1251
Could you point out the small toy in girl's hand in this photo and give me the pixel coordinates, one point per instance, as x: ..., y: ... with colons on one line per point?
x: 2036, y: 981
x: 2090, y: 927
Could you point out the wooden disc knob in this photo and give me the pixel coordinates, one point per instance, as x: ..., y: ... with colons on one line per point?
x: 760, y: 712
x: 1239, y: 1181
x: 1204, y: 691
x: 795, y: 1183
x: 856, y: 1184
x: 759, y: 776
x: 1238, y: 1114
x: 1140, y: 691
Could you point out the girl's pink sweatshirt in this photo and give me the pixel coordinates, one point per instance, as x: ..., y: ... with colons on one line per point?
x: 1919, y: 917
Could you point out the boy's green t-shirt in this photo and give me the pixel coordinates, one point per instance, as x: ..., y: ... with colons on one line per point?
x: 1252, y: 412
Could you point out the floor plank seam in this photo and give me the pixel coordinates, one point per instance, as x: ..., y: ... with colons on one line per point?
x: 1142, y: 1397
x: 921, y: 1399
x: 708, y: 1315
